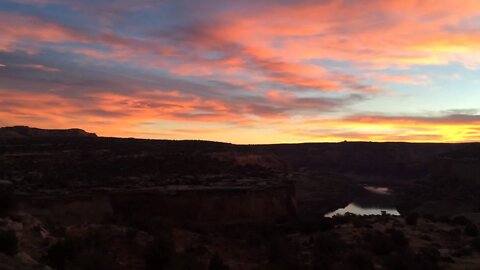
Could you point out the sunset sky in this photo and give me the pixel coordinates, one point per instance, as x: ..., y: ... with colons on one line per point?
x: 244, y: 71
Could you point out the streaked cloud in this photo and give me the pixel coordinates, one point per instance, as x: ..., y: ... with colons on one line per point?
x: 39, y: 67
x: 267, y: 71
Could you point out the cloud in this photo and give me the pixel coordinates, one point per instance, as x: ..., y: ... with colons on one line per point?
x: 450, y: 119
x: 268, y: 66
x: 399, y: 78
x: 39, y: 67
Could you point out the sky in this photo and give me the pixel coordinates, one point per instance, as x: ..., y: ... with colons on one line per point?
x: 248, y: 72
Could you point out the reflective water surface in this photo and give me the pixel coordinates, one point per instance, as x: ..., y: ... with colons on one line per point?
x: 377, y: 201
x: 378, y: 190
x: 362, y: 211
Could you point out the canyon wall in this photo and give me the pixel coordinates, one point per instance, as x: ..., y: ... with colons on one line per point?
x: 223, y: 205
x: 199, y: 205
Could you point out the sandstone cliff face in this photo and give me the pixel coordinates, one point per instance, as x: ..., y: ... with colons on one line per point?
x: 210, y: 206
x: 207, y: 205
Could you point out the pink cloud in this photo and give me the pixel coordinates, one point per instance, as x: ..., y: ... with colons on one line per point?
x: 39, y: 67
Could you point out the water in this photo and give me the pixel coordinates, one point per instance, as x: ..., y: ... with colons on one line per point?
x: 377, y: 201
x: 378, y: 190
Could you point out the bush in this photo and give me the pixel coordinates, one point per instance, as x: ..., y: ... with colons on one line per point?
x: 430, y: 217
x: 379, y: 242
x: 460, y: 220
x: 7, y: 202
x: 86, y: 253
x: 475, y: 243
x: 93, y: 259
x: 59, y: 254
x: 8, y: 243
x: 398, y: 261
x: 464, y: 251
x: 280, y: 250
x: 427, y: 259
x: 313, y: 225
x: 327, y: 251
x: 411, y: 219
x: 398, y: 238
x: 471, y: 229
x: 186, y: 262
x: 383, y: 244
x: 359, y: 260
x: 445, y: 219
x: 160, y: 253
x: 430, y: 254
x: 216, y: 263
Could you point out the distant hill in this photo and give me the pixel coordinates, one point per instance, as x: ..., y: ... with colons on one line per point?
x: 24, y: 132
x: 386, y: 160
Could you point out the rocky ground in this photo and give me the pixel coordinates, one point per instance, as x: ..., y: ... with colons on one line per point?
x: 348, y: 242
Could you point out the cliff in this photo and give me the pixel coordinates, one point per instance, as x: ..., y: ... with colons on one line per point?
x: 224, y: 205
x: 193, y: 205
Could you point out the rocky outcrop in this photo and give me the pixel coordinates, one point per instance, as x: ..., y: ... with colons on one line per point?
x: 32, y: 239
x: 199, y: 205
x: 24, y: 132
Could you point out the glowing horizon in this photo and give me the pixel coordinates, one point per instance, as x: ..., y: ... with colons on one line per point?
x: 263, y: 72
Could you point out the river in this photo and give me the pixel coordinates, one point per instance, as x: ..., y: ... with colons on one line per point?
x: 375, y: 201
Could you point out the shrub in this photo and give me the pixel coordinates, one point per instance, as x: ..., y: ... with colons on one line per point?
x: 430, y: 254
x: 398, y: 238
x: 92, y: 259
x: 359, y: 260
x: 328, y: 243
x: 379, y: 242
x: 186, y: 261
x: 398, y: 261
x: 475, y: 243
x: 411, y: 219
x: 445, y: 219
x: 7, y: 202
x: 86, y: 253
x: 460, y: 220
x: 160, y: 253
x: 216, y: 263
x: 314, y: 225
x: 58, y: 255
x: 430, y: 217
x: 427, y: 259
x: 464, y: 251
x: 8, y: 243
x: 328, y: 248
x: 471, y: 229
x: 280, y: 250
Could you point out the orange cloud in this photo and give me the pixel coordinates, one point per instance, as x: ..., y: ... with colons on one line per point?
x: 260, y: 71
x: 16, y: 28
x: 452, y: 127
x: 186, y: 116
x: 401, y: 33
